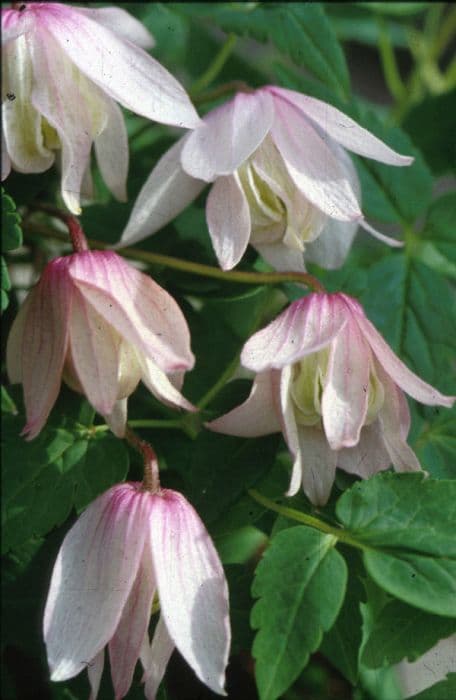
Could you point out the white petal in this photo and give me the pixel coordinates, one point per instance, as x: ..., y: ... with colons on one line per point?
x: 345, y: 394
x: 125, y: 646
x: 228, y: 220
x: 306, y: 326
x: 342, y: 129
x: 369, y: 456
x: 117, y: 419
x: 92, y: 578
x: 124, y: 71
x: 161, y: 387
x: 159, y: 654
x: 111, y: 148
x: 166, y: 192
x: 95, y: 672
x: 121, y: 23
x: 191, y: 586
x: 15, y: 24
x: 281, y: 257
x: 290, y: 429
x: 393, y: 242
x: 257, y: 416
x: 312, y: 165
x: 229, y: 135
x: 318, y: 464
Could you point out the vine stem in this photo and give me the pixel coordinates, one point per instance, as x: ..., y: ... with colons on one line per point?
x: 151, y: 478
x: 215, y: 67
x: 193, y: 267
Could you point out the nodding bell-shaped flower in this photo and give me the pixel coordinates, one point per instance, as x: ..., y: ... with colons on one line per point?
x: 283, y: 180
x: 333, y: 386
x: 64, y: 69
x: 100, y: 325
x: 129, y: 545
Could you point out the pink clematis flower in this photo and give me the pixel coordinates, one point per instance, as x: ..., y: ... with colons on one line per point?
x: 128, y: 545
x: 282, y: 180
x: 332, y: 385
x: 101, y: 326
x: 64, y: 70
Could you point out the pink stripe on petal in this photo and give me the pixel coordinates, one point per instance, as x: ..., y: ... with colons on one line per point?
x: 44, y: 343
x: 228, y: 220
x: 306, y: 326
x: 341, y: 128
x: 229, y: 135
x: 191, y: 586
x: 94, y: 573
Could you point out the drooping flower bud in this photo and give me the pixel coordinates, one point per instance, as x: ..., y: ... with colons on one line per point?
x: 64, y: 70
x: 129, y: 545
x: 333, y: 386
x: 283, y: 180
x: 99, y: 324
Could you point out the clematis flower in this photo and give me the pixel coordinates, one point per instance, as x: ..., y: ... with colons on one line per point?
x: 283, y: 180
x: 63, y: 71
x: 101, y: 326
x: 333, y: 386
x: 128, y: 545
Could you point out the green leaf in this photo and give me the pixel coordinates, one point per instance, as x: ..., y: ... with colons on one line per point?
x: 300, y: 583
x: 402, y: 9
x: 239, y: 585
x: 11, y: 230
x: 402, y: 631
x: 444, y: 690
x: 406, y: 526
x: 436, y: 244
x: 300, y: 30
x: 44, y: 478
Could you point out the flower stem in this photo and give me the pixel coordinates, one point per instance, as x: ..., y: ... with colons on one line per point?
x: 77, y: 235
x: 151, y: 478
x: 388, y: 59
x: 215, y: 67
x: 306, y: 519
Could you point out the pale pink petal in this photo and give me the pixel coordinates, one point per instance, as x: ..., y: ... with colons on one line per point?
x: 125, y: 646
x: 282, y: 258
x: 94, y: 348
x: 95, y: 671
x: 229, y: 135
x: 345, y: 394
x: 341, y: 128
x: 191, y: 586
x: 124, y: 71
x: 121, y: 23
x: 393, y: 242
x: 72, y: 105
x: 158, y: 383
x: 257, y: 416
x: 306, y: 326
x: 15, y: 341
x: 166, y: 192
x: 92, y: 578
x: 312, y: 165
x: 44, y: 344
x: 318, y: 464
x: 111, y: 149
x: 228, y: 220
x: 160, y: 653
x: 15, y: 24
x: 394, y: 419
x: 141, y: 311
x: 399, y: 373
x: 6, y: 160
x: 369, y: 456
x: 290, y: 428
x: 117, y: 419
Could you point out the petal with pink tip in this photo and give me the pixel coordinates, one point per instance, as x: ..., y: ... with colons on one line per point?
x: 44, y: 344
x: 93, y: 575
x: 111, y: 149
x: 306, y: 326
x: 94, y: 348
x: 191, y: 586
x: 341, y: 128
x: 312, y: 165
x: 229, y: 135
x: 123, y: 70
x: 345, y: 394
x: 257, y: 416
x: 95, y: 671
x: 15, y: 24
x: 125, y: 646
x: 161, y: 387
x: 121, y: 23
x: 395, y: 368
x: 318, y: 464
x: 228, y: 220
x: 138, y: 308
x: 159, y: 654
x: 166, y: 192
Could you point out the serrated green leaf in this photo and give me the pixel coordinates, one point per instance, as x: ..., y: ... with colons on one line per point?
x: 406, y: 525
x: 11, y: 230
x: 436, y: 244
x: 402, y: 631
x: 300, y: 583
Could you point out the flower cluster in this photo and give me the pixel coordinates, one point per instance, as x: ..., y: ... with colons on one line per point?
x: 282, y: 181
